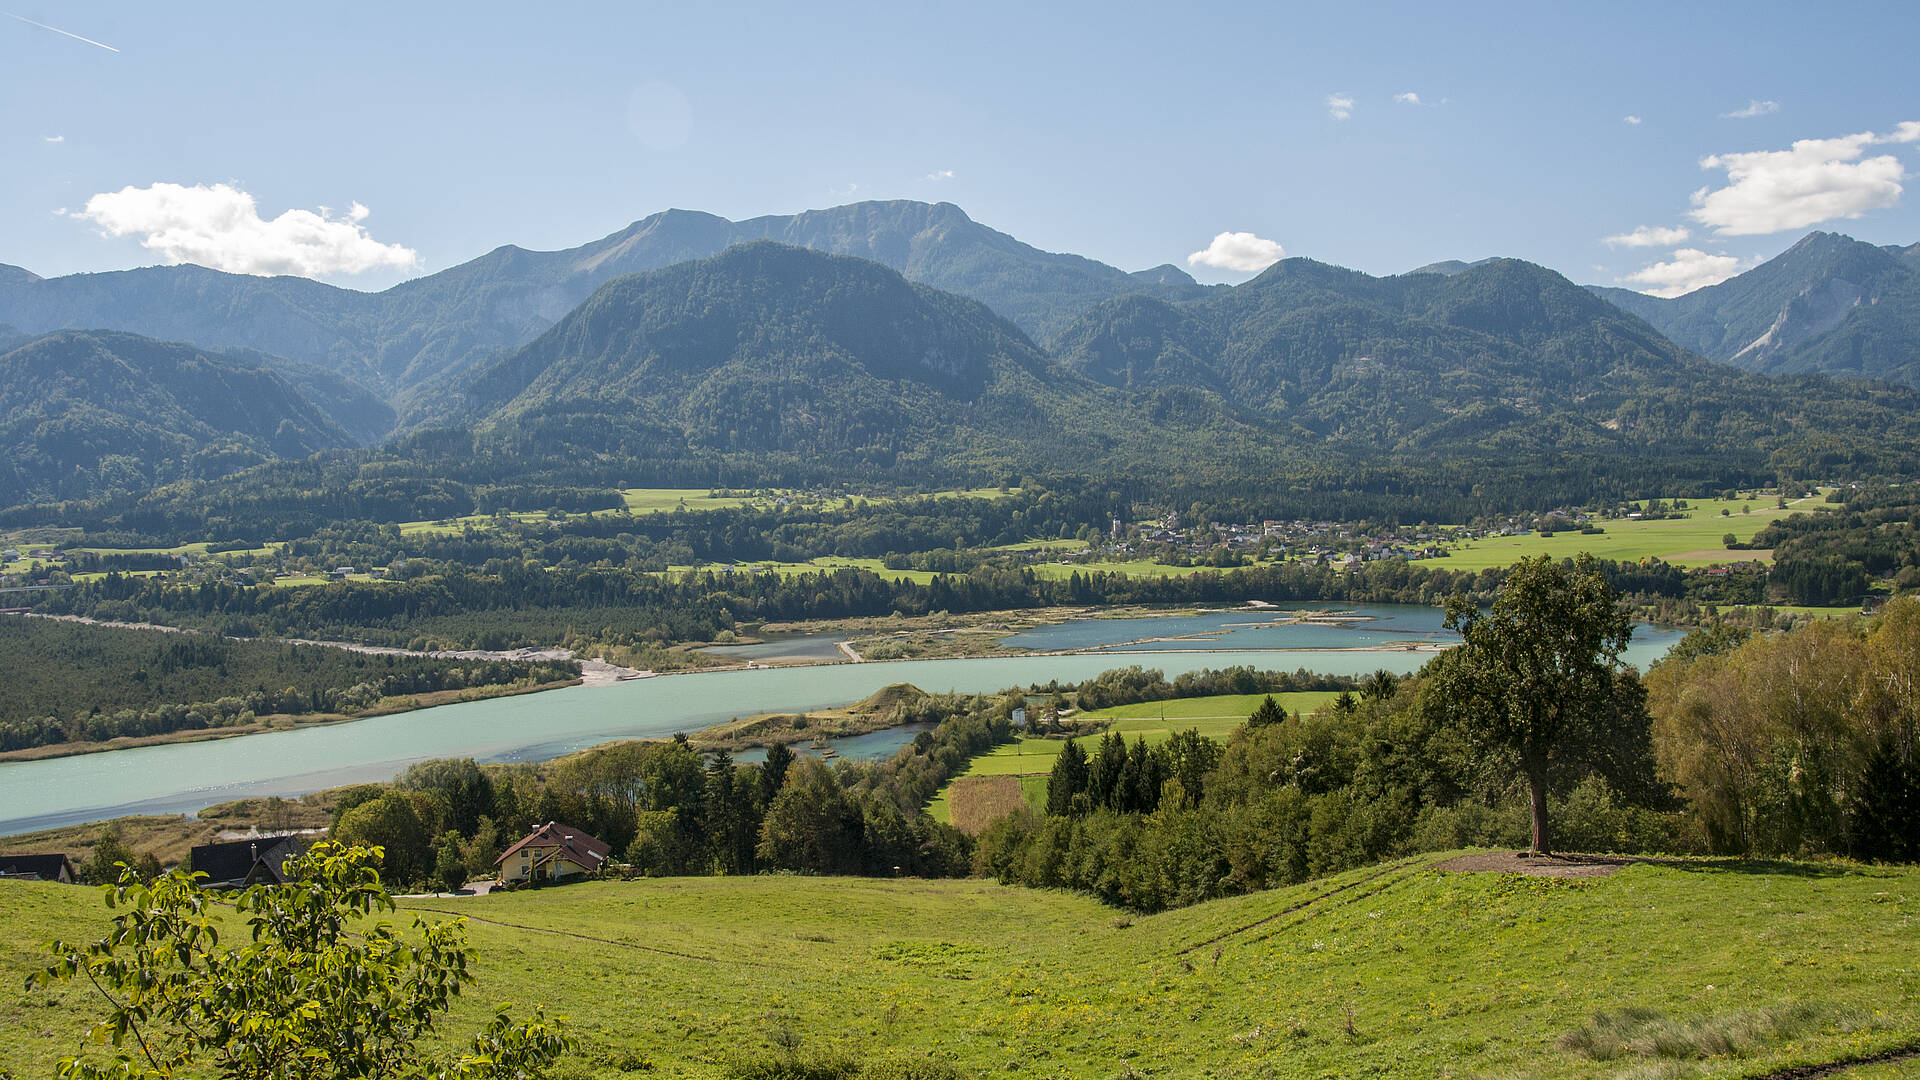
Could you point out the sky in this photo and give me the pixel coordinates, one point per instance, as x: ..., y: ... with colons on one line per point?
x: 1654, y: 146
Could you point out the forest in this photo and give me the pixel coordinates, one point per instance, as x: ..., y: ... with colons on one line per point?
x: 73, y: 682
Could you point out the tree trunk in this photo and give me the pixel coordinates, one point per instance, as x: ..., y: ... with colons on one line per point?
x: 1537, y: 783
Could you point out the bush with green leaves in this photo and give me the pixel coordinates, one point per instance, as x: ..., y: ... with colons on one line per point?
x: 312, y: 990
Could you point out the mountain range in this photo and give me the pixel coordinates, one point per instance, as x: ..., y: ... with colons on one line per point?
x: 906, y: 338
x: 402, y: 342
x: 1829, y: 304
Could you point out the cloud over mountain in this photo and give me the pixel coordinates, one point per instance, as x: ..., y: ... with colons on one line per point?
x: 1242, y: 251
x: 1689, y: 269
x: 220, y: 226
x: 1816, y: 180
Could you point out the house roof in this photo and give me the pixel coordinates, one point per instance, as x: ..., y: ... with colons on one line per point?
x: 575, y: 843
x: 46, y: 867
x: 236, y: 860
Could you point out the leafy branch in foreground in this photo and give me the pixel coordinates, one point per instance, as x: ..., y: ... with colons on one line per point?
x: 305, y: 998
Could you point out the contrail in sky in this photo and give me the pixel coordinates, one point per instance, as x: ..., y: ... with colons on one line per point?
x: 57, y: 30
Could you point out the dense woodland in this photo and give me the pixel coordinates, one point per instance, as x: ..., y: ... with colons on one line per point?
x: 71, y: 682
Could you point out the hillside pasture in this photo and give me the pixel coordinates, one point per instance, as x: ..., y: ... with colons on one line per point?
x: 1392, y: 971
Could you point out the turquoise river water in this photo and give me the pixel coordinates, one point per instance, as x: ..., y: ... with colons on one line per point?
x: 184, y: 777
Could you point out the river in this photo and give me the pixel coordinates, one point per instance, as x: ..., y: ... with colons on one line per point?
x: 183, y: 777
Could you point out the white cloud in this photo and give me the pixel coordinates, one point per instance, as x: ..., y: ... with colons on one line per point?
x: 1648, y: 236
x: 56, y: 138
x: 938, y: 175
x: 1408, y: 98
x: 1340, y: 106
x: 1240, y: 251
x: 1634, y: 120
x: 1755, y: 107
x: 219, y: 226
x: 1689, y: 269
x: 1817, y: 180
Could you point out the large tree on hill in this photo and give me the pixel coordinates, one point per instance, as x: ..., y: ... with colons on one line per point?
x: 1532, y: 683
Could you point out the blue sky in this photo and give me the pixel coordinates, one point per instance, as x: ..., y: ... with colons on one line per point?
x: 1134, y: 134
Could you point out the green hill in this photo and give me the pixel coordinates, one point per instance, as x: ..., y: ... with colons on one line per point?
x: 1501, y: 358
x: 831, y: 364
x: 86, y: 413
x: 1705, y: 969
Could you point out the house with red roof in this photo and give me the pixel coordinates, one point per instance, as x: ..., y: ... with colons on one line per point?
x: 552, y: 852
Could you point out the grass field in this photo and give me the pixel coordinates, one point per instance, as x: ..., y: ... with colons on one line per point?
x: 1695, y: 540
x: 1215, y: 717
x: 814, y: 566
x: 1395, y: 971
x: 1135, y: 568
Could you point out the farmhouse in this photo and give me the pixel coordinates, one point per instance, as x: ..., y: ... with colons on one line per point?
x: 552, y: 852
x: 237, y: 864
x: 52, y: 867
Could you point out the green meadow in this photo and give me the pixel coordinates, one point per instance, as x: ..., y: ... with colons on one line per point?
x: 1698, y: 539
x: 1215, y: 717
x: 1703, y: 969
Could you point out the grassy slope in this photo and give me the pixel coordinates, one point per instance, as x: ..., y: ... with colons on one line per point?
x: 1445, y: 975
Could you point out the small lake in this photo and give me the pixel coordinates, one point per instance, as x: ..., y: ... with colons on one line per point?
x: 184, y: 777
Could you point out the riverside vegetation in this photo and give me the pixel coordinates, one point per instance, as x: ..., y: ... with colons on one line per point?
x: 1364, y: 782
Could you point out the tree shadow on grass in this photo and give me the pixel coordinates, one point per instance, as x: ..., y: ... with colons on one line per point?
x: 1777, y: 867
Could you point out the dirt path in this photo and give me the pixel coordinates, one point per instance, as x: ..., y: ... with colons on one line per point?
x: 1405, y: 864
x: 1556, y: 866
x: 1814, y: 1072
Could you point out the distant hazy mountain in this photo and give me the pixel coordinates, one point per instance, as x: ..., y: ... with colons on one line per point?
x: 1448, y: 267
x: 784, y: 353
x: 86, y: 413
x: 401, y: 342
x: 1829, y: 304
x: 1502, y: 357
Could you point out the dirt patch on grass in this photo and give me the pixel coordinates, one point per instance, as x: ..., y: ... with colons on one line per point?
x: 974, y: 802
x: 1515, y: 862
x: 1724, y: 555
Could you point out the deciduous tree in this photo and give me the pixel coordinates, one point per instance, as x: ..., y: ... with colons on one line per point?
x: 1532, y: 682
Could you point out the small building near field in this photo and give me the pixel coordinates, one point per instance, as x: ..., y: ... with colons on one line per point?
x: 45, y: 867
x: 553, y: 852
x: 237, y: 864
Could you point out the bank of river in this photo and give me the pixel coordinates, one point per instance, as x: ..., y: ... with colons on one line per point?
x: 185, y: 777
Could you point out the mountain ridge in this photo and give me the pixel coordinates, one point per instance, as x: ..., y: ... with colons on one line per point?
x: 1829, y: 305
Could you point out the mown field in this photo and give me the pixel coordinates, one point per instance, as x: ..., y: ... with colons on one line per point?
x: 1391, y: 971
x: 1215, y: 717
x: 1698, y: 539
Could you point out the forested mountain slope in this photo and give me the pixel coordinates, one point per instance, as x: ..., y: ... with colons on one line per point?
x: 403, y: 341
x: 1829, y: 304
x: 1502, y: 357
x: 826, y: 361
x: 84, y: 413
